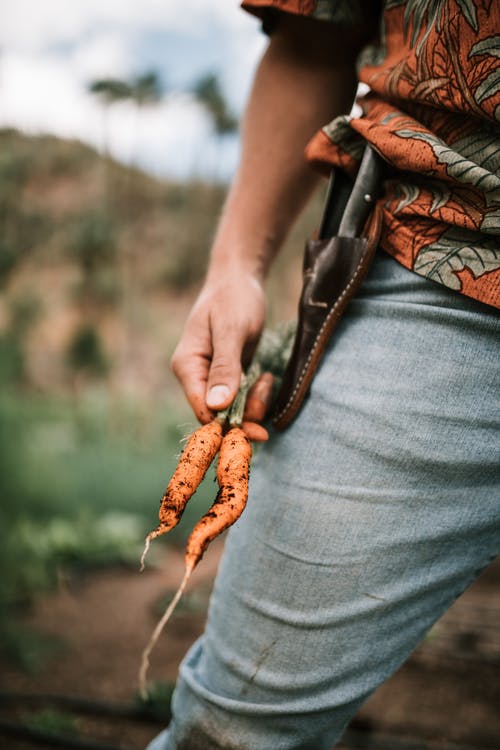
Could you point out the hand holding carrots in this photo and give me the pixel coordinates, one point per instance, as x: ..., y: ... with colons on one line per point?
x: 227, y: 433
x: 221, y: 333
x: 222, y: 434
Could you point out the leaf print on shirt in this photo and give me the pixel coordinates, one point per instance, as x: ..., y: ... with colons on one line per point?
x: 482, y: 147
x: 438, y: 67
x: 468, y: 8
x: 441, y: 194
x: 451, y: 253
x: 489, y: 86
x: 406, y: 193
x: 488, y: 46
x: 421, y: 17
x: 468, y: 74
x: 491, y: 222
x: 458, y: 167
x: 419, y: 12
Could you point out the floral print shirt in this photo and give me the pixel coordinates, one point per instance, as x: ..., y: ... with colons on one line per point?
x: 433, y: 113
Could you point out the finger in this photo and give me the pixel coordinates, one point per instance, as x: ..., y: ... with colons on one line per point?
x: 255, y: 432
x: 225, y: 368
x: 199, y: 406
x: 192, y: 373
x: 259, y: 398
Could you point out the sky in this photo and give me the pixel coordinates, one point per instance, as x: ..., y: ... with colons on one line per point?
x: 51, y: 50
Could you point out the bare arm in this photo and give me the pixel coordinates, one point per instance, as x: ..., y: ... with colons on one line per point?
x: 305, y: 78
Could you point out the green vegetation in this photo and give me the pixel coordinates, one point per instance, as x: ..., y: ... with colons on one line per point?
x: 85, y: 352
x: 80, y: 487
x: 52, y: 722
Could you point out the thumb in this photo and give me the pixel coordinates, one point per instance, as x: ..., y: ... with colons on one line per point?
x: 225, y: 371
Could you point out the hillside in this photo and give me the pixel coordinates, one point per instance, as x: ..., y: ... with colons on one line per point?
x: 99, y: 263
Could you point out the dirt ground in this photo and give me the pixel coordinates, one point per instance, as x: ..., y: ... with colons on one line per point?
x: 446, y: 696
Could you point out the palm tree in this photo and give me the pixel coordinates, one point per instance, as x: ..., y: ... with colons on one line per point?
x: 208, y: 92
x: 109, y: 91
x: 144, y: 90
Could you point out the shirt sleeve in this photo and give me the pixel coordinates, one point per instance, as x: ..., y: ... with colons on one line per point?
x: 346, y: 13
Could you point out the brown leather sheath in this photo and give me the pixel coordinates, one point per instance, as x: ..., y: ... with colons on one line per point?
x: 333, y: 270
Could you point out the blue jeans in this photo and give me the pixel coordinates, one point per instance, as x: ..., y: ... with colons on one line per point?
x: 367, y: 518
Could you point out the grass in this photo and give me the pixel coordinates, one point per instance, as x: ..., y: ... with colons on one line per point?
x: 80, y: 485
x: 28, y: 649
x: 52, y: 722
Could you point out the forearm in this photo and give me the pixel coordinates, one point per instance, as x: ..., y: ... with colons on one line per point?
x: 305, y: 78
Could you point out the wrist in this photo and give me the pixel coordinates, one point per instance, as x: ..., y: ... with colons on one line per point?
x: 233, y: 274
x: 238, y: 262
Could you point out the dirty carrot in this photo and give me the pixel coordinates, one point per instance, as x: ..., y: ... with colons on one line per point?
x: 232, y: 475
x: 198, y: 454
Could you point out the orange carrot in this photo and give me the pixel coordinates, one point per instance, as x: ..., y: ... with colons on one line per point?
x: 233, y: 471
x: 196, y: 457
x: 232, y: 475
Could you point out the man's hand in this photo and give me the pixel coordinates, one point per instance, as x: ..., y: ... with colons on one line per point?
x: 220, y: 336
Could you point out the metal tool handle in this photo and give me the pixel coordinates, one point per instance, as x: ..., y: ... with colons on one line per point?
x: 349, y: 203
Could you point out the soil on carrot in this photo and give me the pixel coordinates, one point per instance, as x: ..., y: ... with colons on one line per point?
x: 448, y: 692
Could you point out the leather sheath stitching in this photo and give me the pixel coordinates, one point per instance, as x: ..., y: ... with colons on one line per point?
x: 316, y: 340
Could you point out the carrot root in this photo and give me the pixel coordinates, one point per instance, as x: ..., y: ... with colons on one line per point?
x: 143, y: 671
x: 147, y: 544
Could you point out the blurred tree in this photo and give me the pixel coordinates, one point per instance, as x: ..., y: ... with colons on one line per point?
x: 93, y: 244
x: 12, y: 362
x: 145, y: 91
x: 85, y: 354
x: 109, y: 91
x: 142, y: 90
x: 8, y: 260
x: 20, y: 228
x: 208, y: 92
x: 23, y: 311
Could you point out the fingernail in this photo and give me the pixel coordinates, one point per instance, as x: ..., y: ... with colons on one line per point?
x: 217, y: 396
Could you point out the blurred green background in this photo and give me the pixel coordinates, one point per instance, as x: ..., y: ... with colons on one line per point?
x: 99, y: 264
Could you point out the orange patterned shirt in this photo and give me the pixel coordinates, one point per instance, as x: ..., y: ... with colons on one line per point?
x: 433, y: 113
